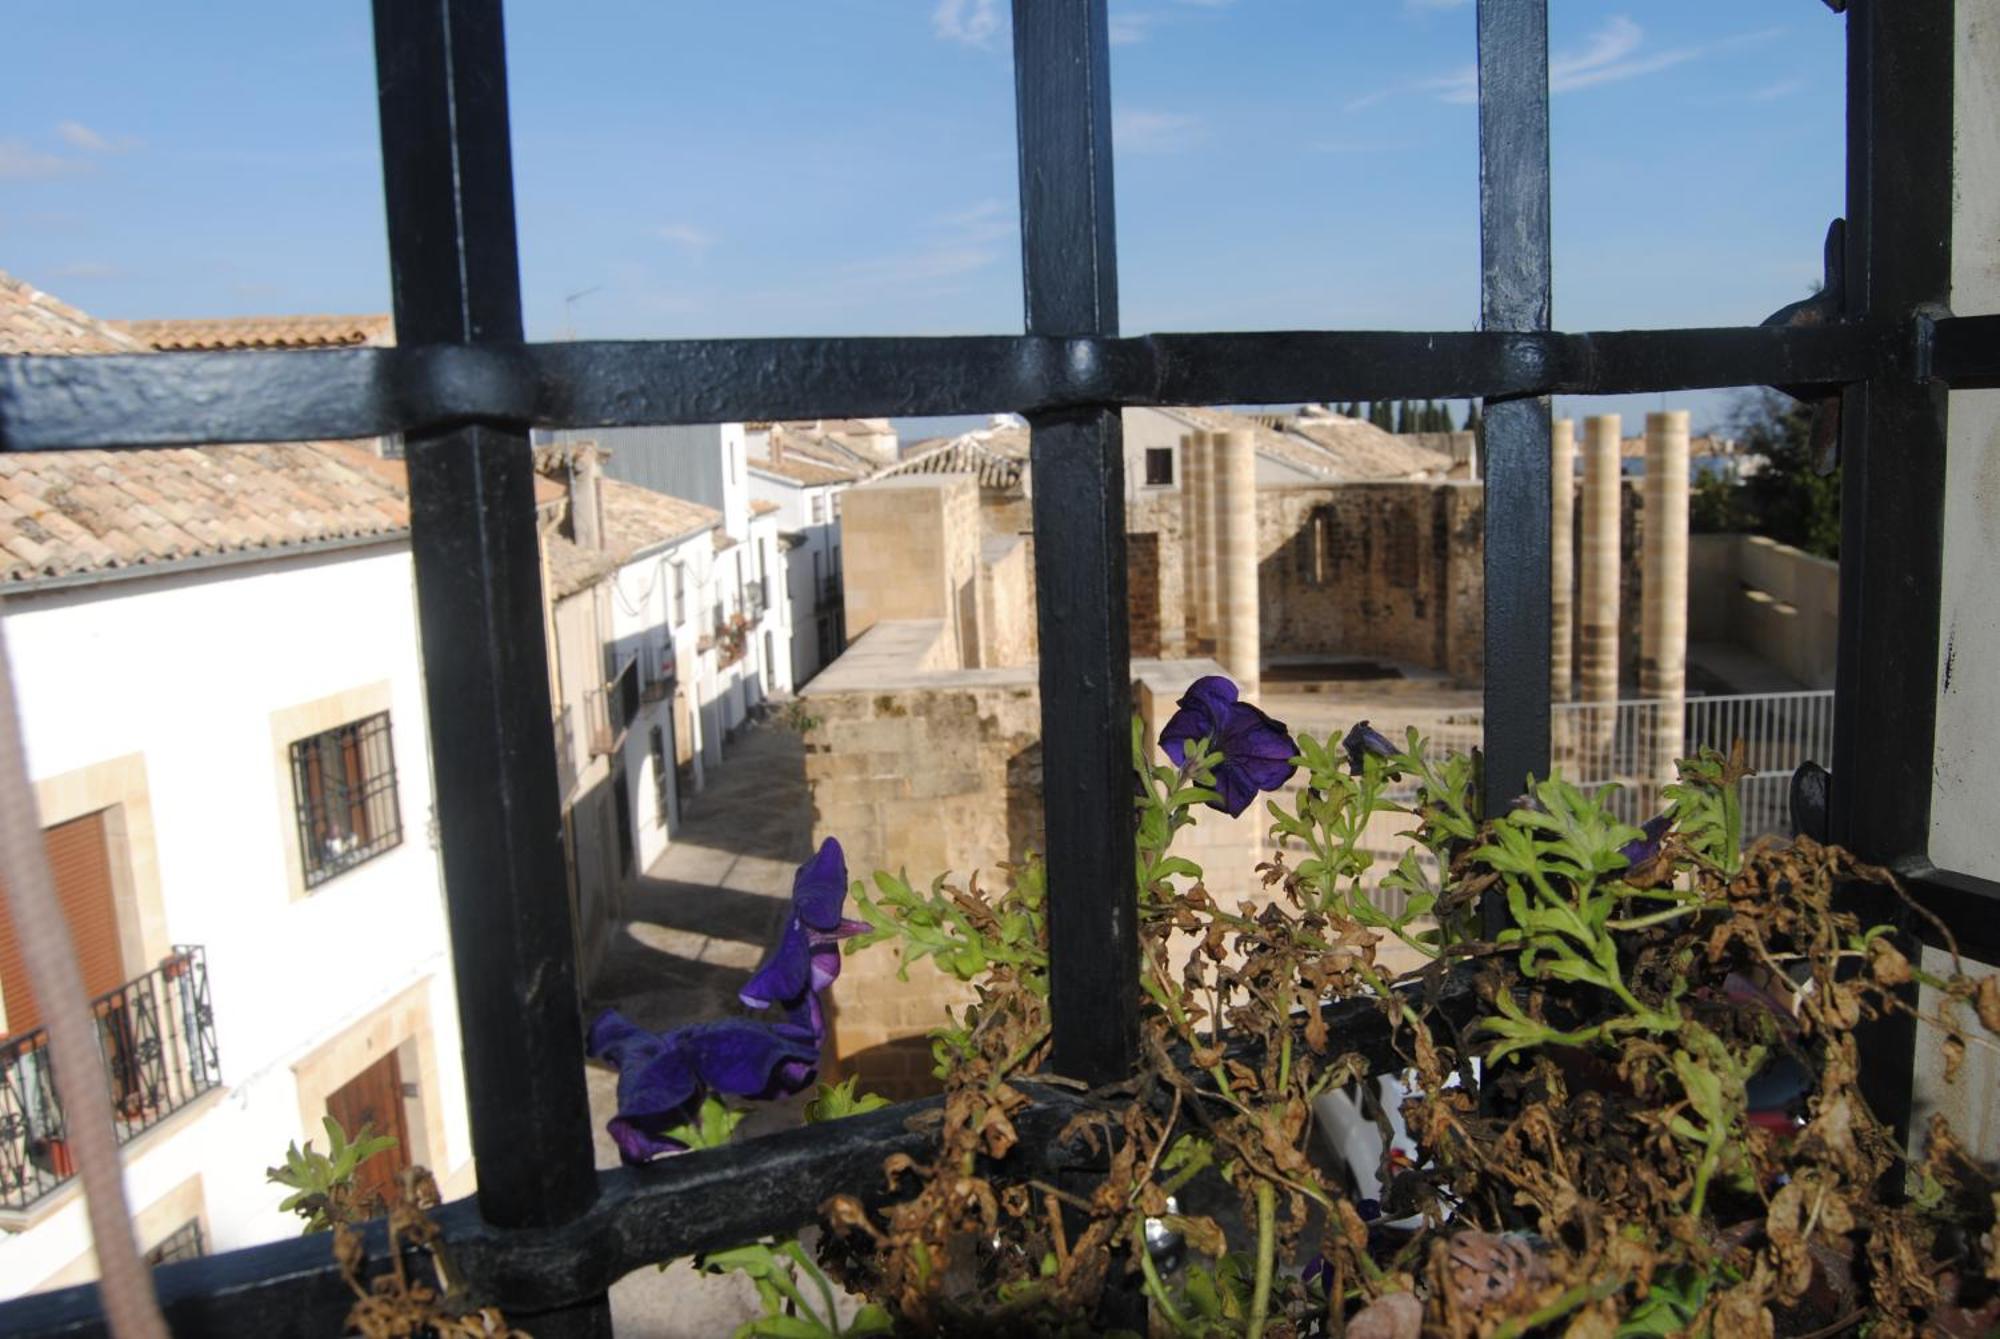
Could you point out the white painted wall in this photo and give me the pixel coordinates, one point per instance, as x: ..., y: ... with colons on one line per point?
x: 1964, y: 836
x: 819, y: 540
x: 188, y: 670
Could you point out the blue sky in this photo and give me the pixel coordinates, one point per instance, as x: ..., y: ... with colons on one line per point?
x: 764, y: 167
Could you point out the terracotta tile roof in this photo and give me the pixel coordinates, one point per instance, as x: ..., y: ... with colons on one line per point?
x: 70, y: 513
x: 635, y: 520
x: 33, y: 322
x: 67, y: 513
x: 1330, y: 446
x: 997, y: 455
x: 262, y: 332
x: 809, y: 473
x: 1363, y: 451
x: 763, y: 507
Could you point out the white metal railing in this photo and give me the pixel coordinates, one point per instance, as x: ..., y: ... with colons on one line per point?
x: 1632, y: 745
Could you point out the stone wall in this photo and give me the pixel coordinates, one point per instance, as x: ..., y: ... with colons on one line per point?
x: 1778, y: 602
x: 1006, y: 602
x: 911, y: 550
x: 1374, y: 569
x: 935, y: 771
x: 1159, y: 513
x: 927, y: 772
x: 1142, y: 592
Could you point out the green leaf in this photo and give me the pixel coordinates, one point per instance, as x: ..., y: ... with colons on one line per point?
x: 832, y: 1101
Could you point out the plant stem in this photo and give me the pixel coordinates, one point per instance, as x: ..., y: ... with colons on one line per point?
x: 1267, y: 1249
x: 1155, y: 1288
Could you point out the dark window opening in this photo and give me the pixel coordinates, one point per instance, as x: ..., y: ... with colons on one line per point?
x: 183, y: 1243
x: 344, y: 783
x: 1159, y: 466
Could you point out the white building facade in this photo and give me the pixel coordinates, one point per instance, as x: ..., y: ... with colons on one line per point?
x: 263, y: 814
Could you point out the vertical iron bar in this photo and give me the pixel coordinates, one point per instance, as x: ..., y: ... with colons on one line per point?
x: 1899, y: 184
x: 1514, y: 295
x: 1062, y: 91
x: 442, y: 77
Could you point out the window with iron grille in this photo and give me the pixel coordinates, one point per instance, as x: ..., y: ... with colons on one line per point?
x: 344, y: 786
x: 183, y: 1243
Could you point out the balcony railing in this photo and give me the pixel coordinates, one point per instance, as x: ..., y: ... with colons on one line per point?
x: 157, y: 1037
x: 609, y: 711
x: 658, y: 683
x: 565, y: 730
x: 756, y: 598
x: 622, y: 697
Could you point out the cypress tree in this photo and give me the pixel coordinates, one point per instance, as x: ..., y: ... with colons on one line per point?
x: 1402, y: 417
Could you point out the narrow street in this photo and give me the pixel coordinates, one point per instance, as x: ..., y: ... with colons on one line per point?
x: 696, y: 926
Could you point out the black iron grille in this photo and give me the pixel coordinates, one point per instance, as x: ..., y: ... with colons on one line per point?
x: 547, y: 1234
x: 344, y: 785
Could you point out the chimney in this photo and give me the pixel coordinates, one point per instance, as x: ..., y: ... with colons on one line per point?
x: 774, y: 445
x: 586, y: 501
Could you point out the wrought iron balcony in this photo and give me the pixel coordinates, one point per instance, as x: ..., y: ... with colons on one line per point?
x: 756, y: 598
x: 157, y: 1037
x: 658, y: 684
x: 565, y: 731
x: 609, y: 711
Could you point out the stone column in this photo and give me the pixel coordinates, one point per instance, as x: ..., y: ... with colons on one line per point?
x: 1196, y: 573
x: 1664, y: 596
x: 1208, y: 450
x: 1596, y: 616
x: 1237, y: 629
x: 1562, y: 544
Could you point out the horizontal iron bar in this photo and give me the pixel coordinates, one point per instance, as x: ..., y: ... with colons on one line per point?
x: 648, y: 1215
x: 168, y: 399
x: 1965, y: 352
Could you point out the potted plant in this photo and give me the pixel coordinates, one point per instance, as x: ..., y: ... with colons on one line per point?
x: 1590, y: 1143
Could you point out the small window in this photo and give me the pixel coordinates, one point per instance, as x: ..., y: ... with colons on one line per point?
x: 344, y: 781
x: 1159, y: 466
x: 819, y: 509
x: 183, y: 1243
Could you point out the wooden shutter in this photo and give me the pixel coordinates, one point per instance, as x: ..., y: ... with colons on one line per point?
x: 80, y: 860
x: 357, y: 791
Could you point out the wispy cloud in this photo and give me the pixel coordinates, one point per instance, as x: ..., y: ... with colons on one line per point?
x: 968, y: 22
x: 1130, y: 26
x: 1138, y: 130
x: 89, y: 269
x: 953, y: 245
x: 1784, y: 88
x: 684, y: 235
x: 80, y: 136
x: 21, y: 161
x: 1615, y: 52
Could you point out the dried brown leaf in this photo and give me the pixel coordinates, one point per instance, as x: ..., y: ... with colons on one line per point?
x: 1394, y: 1316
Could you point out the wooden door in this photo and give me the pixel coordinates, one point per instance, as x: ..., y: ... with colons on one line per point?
x: 80, y: 862
x: 374, y: 1098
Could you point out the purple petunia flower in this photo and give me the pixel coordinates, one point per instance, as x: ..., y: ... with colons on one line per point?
x: 807, y: 957
x: 1256, y: 751
x: 1641, y: 849
x: 1363, y: 740
x: 663, y: 1076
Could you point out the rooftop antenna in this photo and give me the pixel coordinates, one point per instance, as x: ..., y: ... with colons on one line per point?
x: 569, y: 309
